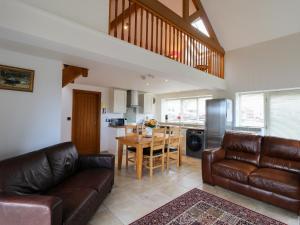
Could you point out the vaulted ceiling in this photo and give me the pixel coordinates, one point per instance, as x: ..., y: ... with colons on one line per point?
x: 241, y: 23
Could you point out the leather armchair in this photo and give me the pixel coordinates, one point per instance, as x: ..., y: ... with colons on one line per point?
x: 209, y: 157
x: 16, y: 209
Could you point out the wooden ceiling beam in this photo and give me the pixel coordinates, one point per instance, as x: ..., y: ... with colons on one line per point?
x: 166, y: 13
x: 185, y: 9
x: 194, y: 16
x: 70, y: 73
x: 205, y: 20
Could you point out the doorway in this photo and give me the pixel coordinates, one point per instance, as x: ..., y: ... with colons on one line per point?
x: 86, y: 121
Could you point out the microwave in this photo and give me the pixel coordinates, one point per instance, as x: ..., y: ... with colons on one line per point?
x: 117, y: 122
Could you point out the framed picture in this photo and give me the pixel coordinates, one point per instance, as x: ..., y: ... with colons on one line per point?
x: 18, y: 79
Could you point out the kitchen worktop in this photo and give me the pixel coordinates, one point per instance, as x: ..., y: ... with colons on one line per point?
x: 183, y: 126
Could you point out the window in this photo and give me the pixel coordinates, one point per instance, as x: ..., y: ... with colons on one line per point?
x: 172, y: 108
x: 199, y: 25
x: 278, y: 112
x: 189, y: 110
x: 251, y: 110
x: 284, y: 114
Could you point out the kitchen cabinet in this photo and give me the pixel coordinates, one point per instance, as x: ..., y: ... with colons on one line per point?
x: 118, y: 101
x: 147, y: 102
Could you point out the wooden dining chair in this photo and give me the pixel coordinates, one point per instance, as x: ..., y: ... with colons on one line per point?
x: 131, y: 130
x: 173, y: 146
x: 155, y: 155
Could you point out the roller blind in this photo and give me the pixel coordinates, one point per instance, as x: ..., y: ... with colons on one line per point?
x: 284, y: 114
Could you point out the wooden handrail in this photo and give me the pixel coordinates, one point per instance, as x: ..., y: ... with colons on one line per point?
x: 139, y: 23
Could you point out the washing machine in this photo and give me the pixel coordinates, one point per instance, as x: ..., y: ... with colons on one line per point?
x: 195, y: 143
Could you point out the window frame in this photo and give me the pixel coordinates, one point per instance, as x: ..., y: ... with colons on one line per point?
x: 181, y: 108
x: 237, y: 109
x: 267, y: 110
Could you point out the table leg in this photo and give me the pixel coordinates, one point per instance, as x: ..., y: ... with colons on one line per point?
x: 120, y: 154
x: 139, y: 161
x: 180, y: 154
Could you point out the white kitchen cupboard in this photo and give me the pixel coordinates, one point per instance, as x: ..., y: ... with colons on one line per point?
x: 118, y: 101
x: 147, y: 102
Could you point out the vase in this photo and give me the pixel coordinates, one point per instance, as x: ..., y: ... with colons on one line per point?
x: 148, y: 131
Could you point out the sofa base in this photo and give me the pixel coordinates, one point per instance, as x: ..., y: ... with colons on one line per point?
x: 259, y: 194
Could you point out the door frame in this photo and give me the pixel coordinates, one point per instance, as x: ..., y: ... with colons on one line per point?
x: 98, y: 114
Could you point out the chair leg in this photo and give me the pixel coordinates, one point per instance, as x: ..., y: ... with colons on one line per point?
x: 163, y: 163
x: 178, y: 156
x: 126, y: 159
x: 151, y: 166
x: 168, y: 160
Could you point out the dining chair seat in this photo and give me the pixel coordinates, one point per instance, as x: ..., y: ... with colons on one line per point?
x: 147, y: 151
x: 171, y: 149
x: 131, y: 149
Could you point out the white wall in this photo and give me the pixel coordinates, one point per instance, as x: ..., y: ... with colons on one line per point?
x: 107, y: 134
x: 29, y: 121
x: 265, y: 66
x: 90, y: 13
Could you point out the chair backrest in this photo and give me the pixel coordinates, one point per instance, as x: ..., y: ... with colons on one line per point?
x: 174, y: 137
x: 131, y: 130
x: 158, y: 139
x: 141, y: 129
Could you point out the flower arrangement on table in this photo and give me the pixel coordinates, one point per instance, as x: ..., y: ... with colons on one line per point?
x: 151, y: 123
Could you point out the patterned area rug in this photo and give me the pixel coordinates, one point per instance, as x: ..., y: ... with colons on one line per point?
x: 198, y: 207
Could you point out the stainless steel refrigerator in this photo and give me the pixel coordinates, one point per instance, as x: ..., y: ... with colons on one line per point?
x: 219, y: 118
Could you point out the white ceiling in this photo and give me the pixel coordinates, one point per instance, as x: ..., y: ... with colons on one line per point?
x: 240, y: 23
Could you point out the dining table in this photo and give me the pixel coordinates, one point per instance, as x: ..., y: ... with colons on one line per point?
x: 139, y: 142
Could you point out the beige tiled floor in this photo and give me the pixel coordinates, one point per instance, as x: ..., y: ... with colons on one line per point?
x: 131, y: 199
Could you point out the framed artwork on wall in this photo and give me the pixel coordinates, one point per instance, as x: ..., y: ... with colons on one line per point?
x: 18, y: 79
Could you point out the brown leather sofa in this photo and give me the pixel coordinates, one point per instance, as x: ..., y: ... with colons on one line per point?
x: 54, y: 186
x: 265, y: 168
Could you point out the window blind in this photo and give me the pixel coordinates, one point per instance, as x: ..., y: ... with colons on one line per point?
x: 284, y: 115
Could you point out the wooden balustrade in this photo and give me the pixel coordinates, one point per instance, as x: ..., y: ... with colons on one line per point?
x: 135, y: 23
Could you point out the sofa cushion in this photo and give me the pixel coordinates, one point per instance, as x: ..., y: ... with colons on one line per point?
x: 63, y: 159
x: 233, y: 170
x: 97, y: 179
x: 243, y: 147
x: 78, y: 204
x: 280, y: 153
x: 276, y: 181
x: 26, y: 174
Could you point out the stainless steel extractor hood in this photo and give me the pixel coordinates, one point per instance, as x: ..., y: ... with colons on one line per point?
x: 132, y: 98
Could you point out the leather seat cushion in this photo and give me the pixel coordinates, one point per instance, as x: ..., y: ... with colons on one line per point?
x: 97, y: 179
x: 78, y: 204
x: 277, y: 181
x: 233, y: 170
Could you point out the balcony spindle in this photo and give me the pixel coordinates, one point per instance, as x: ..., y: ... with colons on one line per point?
x: 129, y: 23
x: 156, y: 41
x: 135, y: 24
x: 141, y: 28
x: 123, y: 9
x: 147, y: 22
x: 116, y: 16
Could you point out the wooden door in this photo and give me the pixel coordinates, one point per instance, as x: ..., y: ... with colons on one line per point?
x: 86, y: 121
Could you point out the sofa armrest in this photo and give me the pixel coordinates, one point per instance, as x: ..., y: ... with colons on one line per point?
x: 97, y: 161
x: 209, y: 157
x: 30, y: 209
